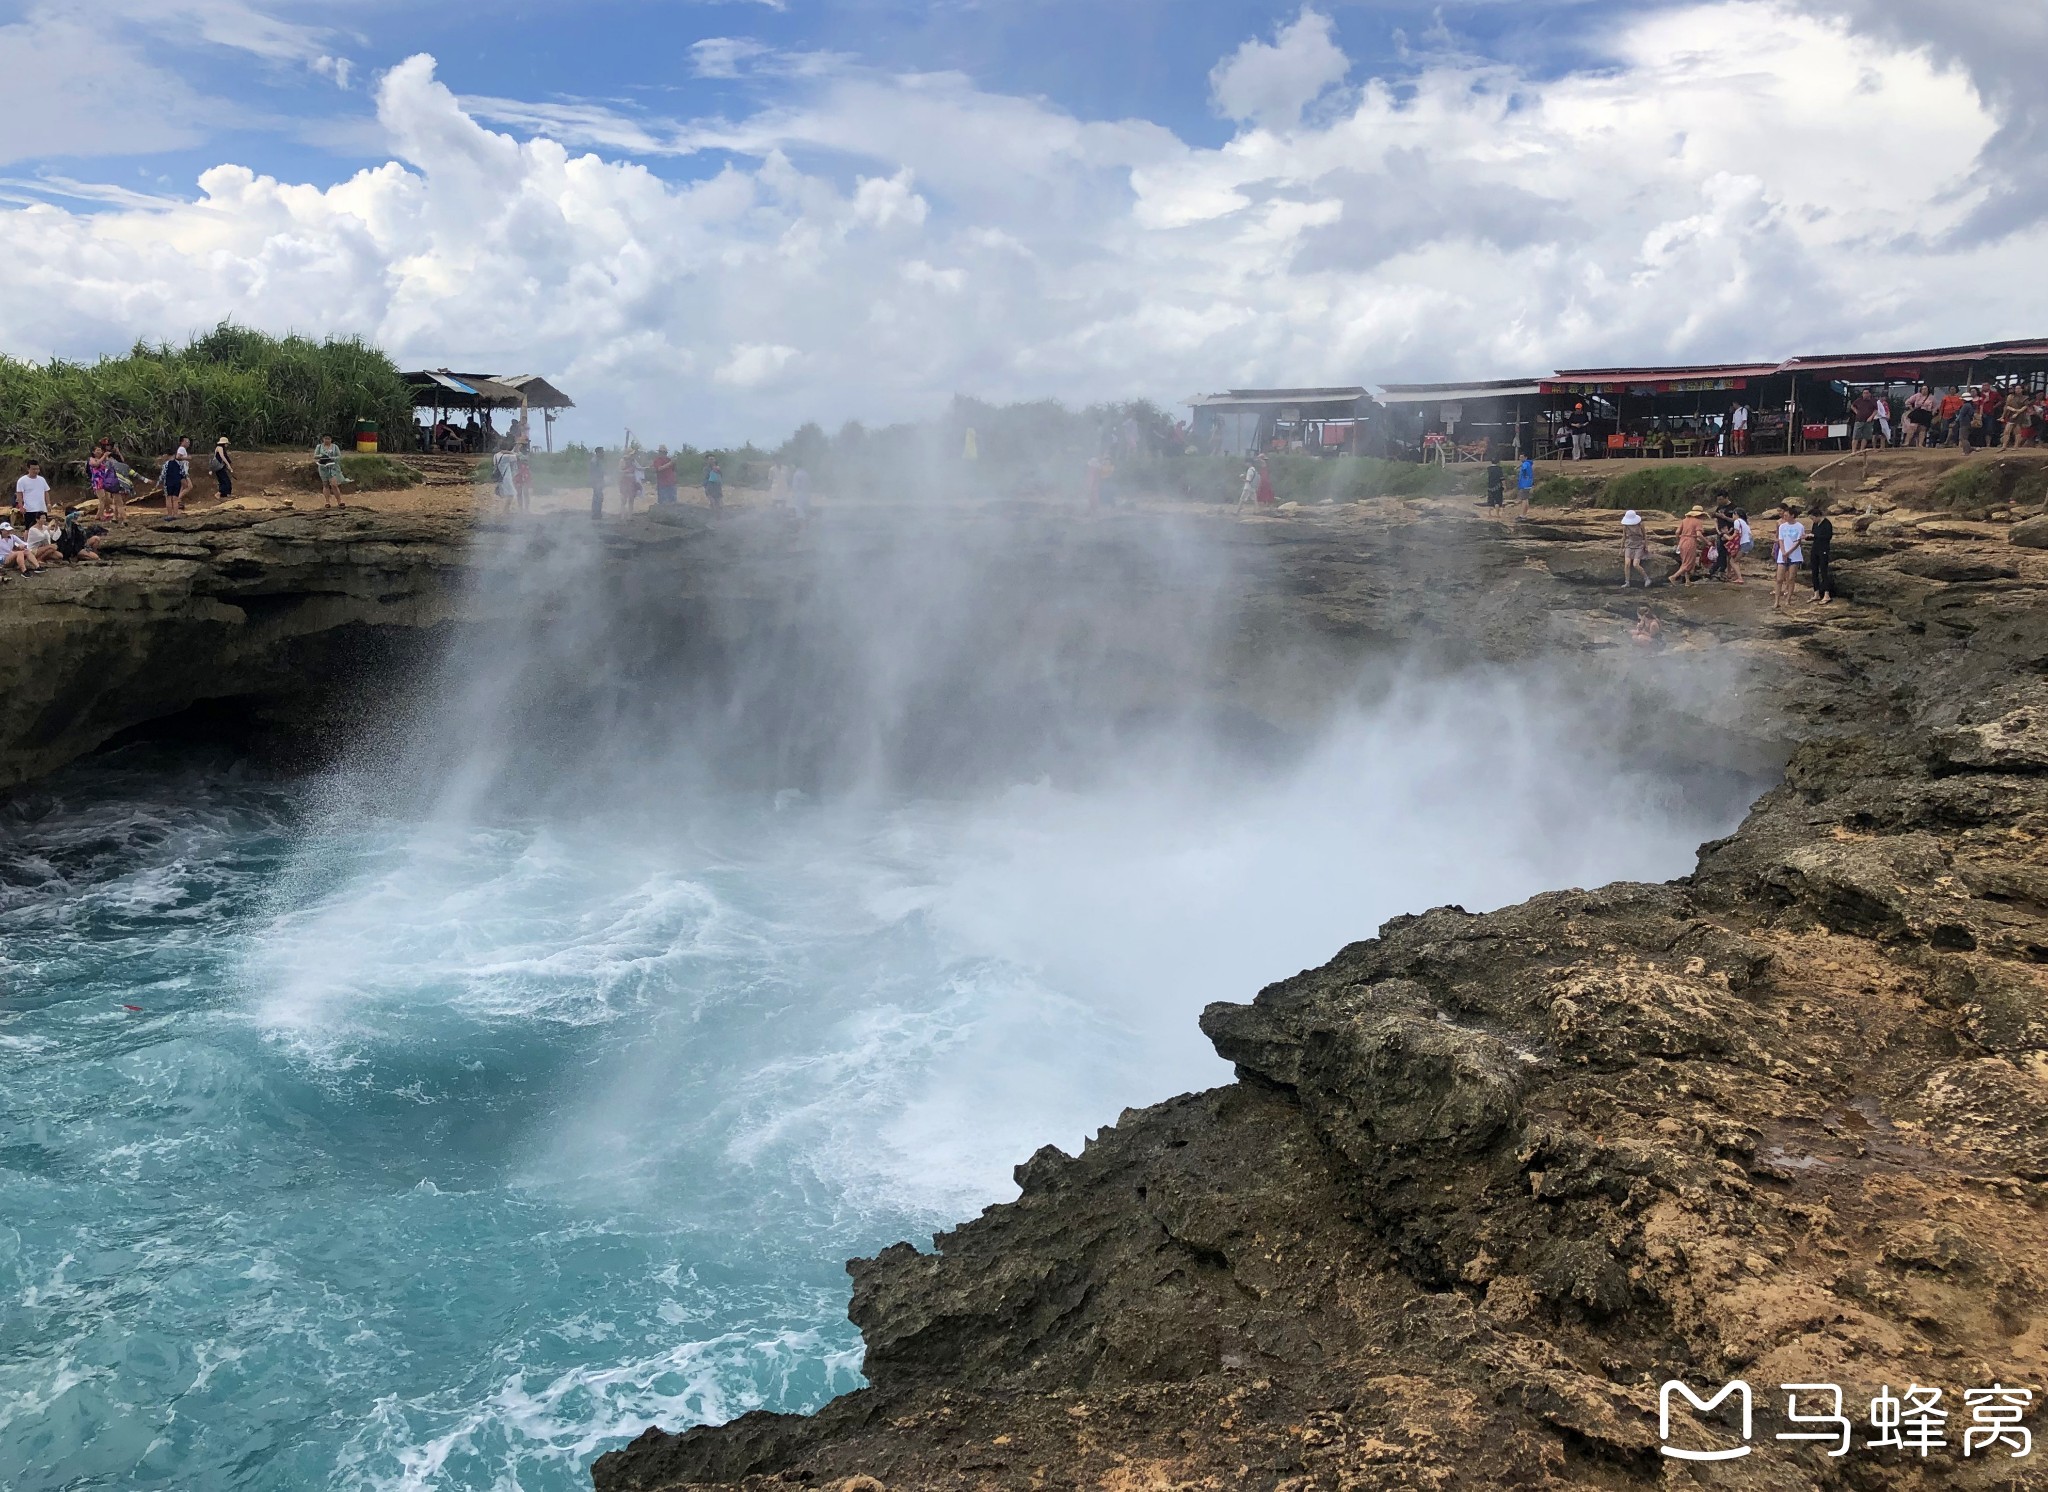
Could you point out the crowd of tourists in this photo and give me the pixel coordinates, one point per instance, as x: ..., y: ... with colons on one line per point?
x: 639, y: 471
x: 1712, y: 546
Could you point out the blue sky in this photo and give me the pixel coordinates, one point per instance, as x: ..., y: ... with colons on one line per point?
x: 737, y: 215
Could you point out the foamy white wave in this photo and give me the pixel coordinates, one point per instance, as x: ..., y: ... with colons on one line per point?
x: 565, y: 1420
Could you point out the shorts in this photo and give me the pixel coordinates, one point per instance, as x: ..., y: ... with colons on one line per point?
x: 1791, y: 561
x: 665, y: 494
x: 1866, y: 430
x: 174, y: 487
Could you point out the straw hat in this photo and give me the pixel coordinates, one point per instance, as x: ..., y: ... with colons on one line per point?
x: 1696, y: 511
x: 222, y: 441
x: 1631, y: 518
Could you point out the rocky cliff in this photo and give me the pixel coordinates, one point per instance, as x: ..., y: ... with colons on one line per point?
x: 273, y: 617
x: 1484, y: 1183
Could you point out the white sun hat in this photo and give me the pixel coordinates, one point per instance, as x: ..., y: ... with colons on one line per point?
x: 1631, y: 517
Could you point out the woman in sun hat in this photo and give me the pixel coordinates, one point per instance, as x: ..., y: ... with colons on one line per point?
x: 1635, y: 548
x: 223, y: 467
x: 1692, y: 543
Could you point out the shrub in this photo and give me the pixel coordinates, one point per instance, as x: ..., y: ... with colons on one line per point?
x: 377, y: 473
x: 1979, y: 486
x: 255, y: 389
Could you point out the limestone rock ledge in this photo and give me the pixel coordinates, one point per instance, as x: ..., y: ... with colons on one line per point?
x: 1483, y: 1183
x: 273, y: 612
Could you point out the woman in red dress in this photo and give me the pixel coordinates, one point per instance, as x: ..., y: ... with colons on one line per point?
x: 1267, y: 496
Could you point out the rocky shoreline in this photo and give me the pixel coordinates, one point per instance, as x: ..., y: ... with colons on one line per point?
x: 1484, y: 1183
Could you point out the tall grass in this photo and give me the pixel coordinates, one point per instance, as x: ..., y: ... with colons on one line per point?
x: 255, y: 389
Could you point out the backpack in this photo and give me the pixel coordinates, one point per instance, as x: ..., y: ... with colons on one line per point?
x: 218, y: 464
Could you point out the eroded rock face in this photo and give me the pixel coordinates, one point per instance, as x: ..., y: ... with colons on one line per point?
x: 292, y: 613
x: 1485, y: 1182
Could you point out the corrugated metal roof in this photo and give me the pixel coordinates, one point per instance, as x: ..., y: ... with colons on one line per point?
x: 538, y: 391
x: 1276, y: 396
x: 2029, y: 349
x: 1663, y: 375
x: 1452, y: 393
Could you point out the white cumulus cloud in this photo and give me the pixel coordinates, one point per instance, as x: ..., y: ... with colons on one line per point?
x: 1726, y: 180
x: 1272, y: 84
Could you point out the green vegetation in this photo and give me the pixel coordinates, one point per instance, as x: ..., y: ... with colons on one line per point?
x: 377, y: 473
x: 1673, y: 487
x: 1979, y: 486
x: 255, y: 389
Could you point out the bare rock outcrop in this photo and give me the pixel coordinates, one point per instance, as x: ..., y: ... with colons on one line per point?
x: 1485, y: 1183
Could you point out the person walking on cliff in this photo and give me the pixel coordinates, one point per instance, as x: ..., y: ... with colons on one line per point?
x: 327, y: 463
x: 1692, y: 545
x: 1789, y: 553
x: 597, y: 483
x: 223, y: 467
x: 1635, y: 549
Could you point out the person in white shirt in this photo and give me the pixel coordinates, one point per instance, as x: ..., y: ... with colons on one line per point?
x: 1738, y: 426
x: 32, y: 493
x: 41, y: 539
x: 1789, y: 555
x: 14, y: 553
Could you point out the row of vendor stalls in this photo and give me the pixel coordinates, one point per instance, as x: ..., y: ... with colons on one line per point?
x: 1801, y: 404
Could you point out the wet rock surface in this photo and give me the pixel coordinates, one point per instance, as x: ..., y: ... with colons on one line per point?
x: 1484, y: 1182
x: 301, y: 618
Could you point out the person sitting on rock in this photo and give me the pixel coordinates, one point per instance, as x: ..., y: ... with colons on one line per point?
x: 14, y: 553
x: 80, y: 541
x: 41, y: 539
x: 1644, y: 633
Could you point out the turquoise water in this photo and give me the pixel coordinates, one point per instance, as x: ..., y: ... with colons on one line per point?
x: 448, y: 1152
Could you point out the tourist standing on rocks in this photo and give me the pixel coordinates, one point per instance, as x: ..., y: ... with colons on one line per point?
x: 1692, y: 545
x: 31, y: 492
x: 1248, y: 492
x: 1920, y: 407
x: 1863, y: 433
x: 1580, y: 426
x: 1267, y: 497
x: 223, y: 467
x: 714, y: 483
x: 1726, y: 541
x: 327, y: 462
x: 1990, y: 405
x: 1884, y: 417
x: 1525, y: 486
x: 103, y: 471
x: 1789, y: 553
x: 522, y: 474
x: 1496, y: 485
x: 1635, y: 549
x: 1738, y: 430
x: 597, y: 482
x: 629, y: 479
x: 1965, y: 418
x: 501, y: 476
x: 2019, y: 418
x: 1821, y: 558
x: 800, y: 491
x: 172, y: 476
x: 664, y: 477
